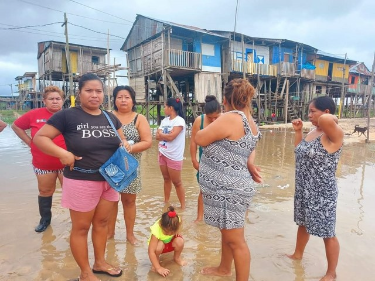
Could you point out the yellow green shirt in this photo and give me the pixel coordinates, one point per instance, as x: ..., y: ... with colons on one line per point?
x: 158, y: 233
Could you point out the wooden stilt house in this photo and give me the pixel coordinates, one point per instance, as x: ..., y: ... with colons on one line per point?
x: 167, y: 59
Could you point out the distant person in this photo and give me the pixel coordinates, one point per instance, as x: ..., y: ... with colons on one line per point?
x: 46, y: 168
x: 90, y: 142
x: 212, y: 110
x: 3, y: 125
x: 227, y: 176
x: 171, y: 137
x: 165, y: 238
x: 137, y: 131
x: 315, y: 198
x: 273, y: 117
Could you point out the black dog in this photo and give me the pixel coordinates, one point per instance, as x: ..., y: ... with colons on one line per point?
x: 359, y: 130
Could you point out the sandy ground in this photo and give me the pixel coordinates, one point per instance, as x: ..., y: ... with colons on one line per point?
x: 346, y: 124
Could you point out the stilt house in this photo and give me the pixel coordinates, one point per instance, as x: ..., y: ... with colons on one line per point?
x: 168, y: 59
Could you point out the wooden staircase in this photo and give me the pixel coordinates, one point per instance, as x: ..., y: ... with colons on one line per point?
x: 291, y: 113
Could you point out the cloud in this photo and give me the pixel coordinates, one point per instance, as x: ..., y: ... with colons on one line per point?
x: 334, y: 26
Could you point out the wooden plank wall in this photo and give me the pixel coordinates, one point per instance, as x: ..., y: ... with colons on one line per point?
x: 207, y: 84
x: 138, y: 84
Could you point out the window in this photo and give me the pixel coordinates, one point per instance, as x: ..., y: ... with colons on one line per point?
x: 208, y: 49
x: 352, y: 80
x: 95, y: 60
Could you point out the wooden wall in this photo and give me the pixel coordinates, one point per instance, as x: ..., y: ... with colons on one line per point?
x: 138, y: 84
x: 207, y: 84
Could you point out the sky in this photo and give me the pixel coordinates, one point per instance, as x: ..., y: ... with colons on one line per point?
x: 333, y: 26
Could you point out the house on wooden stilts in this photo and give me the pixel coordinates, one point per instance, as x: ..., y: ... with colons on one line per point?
x: 358, y: 91
x: 281, y: 70
x: 53, y: 67
x: 167, y: 59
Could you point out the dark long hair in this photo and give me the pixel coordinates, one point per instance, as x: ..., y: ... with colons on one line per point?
x: 211, y: 105
x: 124, y: 88
x: 170, y: 221
x: 324, y: 102
x: 88, y: 77
x: 177, y: 106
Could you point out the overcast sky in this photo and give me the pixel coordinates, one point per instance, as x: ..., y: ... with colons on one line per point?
x: 333, y: 26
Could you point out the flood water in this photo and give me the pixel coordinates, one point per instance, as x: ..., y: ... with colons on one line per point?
x: 270, y: 230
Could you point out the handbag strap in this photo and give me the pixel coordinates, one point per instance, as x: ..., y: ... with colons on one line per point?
x: 90, y: 171
x: 111, y: 123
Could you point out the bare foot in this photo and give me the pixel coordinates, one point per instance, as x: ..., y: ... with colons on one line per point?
x: 180, y: 261
x: 198, y: 220
x: 328, y: 277
x: 132, y: 240
x: 215, y: 271
x: 294, y: 257
x: 110, y: 236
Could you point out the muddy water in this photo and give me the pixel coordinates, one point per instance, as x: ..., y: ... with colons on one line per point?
x: 270, y: 230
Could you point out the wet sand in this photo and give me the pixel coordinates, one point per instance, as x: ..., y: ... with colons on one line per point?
x: 270, y: 230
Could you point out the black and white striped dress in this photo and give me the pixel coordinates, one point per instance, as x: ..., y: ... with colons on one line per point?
x: 225, y: 180
x: 315, y: 197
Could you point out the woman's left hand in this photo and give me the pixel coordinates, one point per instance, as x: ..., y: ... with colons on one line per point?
x: 126, y: 145
x: 254, y: 171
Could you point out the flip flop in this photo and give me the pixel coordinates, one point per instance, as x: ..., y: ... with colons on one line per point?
x: 107, y: 273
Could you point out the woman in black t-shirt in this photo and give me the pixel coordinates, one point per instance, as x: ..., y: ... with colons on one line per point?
x: 90, y: 141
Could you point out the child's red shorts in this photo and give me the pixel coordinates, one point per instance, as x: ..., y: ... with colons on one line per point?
x: 168, y: 247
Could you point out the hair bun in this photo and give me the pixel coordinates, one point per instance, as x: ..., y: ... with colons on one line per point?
x: 209, y: 98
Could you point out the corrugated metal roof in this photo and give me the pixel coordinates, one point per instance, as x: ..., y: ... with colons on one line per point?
x: 360, y: 68
x: 267, y: 41
x: 189, y: 27
x: 42, y: 46
x: 125, y: 46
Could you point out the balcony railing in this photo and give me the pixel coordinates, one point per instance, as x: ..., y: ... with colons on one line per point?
x: 286, y: 68
x: 184, y: 59
x: 360, y: 89
x: 308, y: 73
x: 254, y: 68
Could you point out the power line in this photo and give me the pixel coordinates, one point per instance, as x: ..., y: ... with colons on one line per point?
x: 31, y: 3
x: 28, y: 26
x: 100, y: 11
x: 95, y: 30
x: 76, y: 37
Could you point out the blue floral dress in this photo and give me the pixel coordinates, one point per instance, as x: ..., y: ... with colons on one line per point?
x: 315, y: 197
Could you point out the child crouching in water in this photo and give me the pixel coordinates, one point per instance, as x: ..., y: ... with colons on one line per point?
x: 164, y: 238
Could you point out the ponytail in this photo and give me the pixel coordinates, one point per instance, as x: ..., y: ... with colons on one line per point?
x: 176, y: 103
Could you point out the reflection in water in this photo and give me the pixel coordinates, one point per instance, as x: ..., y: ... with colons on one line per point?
x: 270, y: 230
x: 359, y: 201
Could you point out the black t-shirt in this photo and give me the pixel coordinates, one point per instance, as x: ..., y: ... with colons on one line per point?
x: 88, y: 136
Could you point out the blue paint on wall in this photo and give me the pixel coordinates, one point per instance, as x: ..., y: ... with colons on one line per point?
x: 276, y: 54
x: 207, y: 60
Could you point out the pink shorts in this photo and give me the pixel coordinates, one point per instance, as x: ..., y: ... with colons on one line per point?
x: 165, y: 161
x: 84, y: 196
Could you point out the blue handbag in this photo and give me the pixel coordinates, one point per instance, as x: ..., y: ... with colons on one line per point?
x: 120, y: 169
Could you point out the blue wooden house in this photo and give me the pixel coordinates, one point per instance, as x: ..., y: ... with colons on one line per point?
x: 169, y: 59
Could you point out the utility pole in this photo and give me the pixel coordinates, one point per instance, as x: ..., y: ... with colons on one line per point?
x: 342, y: 90
x: 67, y: 53
x: 108, y: 76
x: 11, y: 91
x: 369, y: 91
x: 286, y: 103
x: 243, y: 57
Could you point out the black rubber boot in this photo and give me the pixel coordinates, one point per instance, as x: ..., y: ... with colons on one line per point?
x: 45, y: 204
